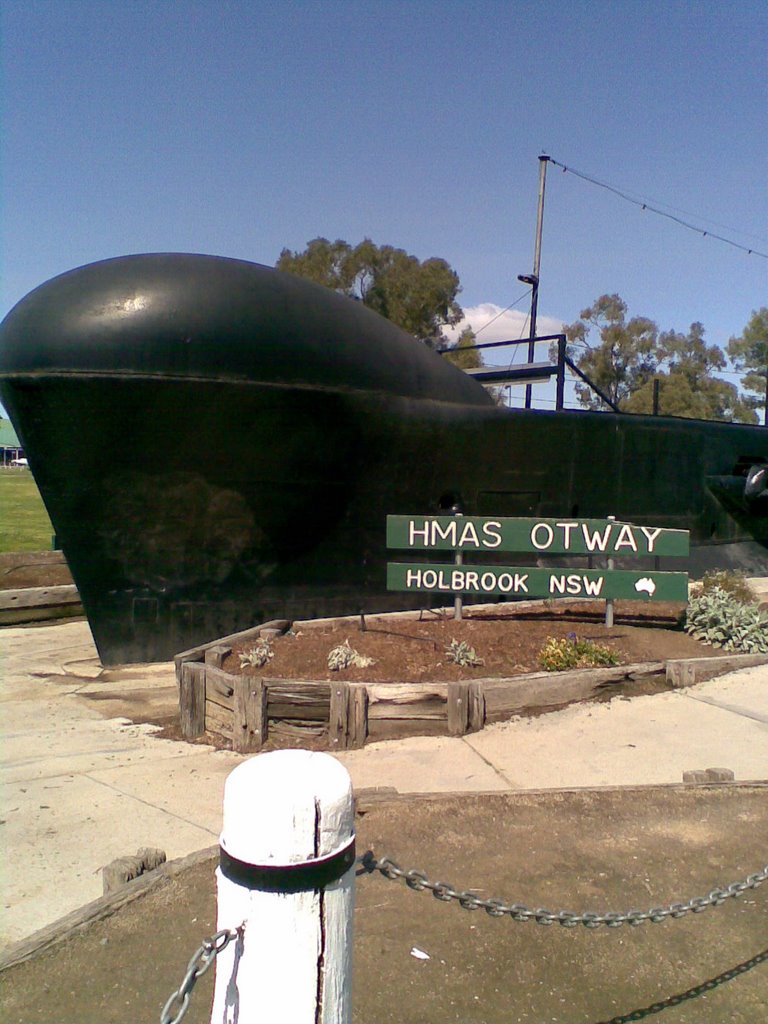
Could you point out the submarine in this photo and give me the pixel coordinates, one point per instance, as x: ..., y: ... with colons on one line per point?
x: 219, y: 443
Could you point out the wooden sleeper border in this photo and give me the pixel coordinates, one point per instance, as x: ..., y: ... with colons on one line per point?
x: 241, y: 707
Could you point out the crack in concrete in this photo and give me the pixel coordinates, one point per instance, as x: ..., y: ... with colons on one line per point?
x: 155, y: 807
x: 507, y: 781
x: 734, y: 709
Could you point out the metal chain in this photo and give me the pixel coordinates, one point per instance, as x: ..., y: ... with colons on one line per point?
x: 691, y: 993
x: 178, y: 1002
x: 467, y: 899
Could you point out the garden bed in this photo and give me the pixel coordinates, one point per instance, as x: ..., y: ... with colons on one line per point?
x: 412, y: 686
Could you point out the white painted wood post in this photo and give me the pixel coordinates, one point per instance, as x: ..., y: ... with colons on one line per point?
x: 287, y: 876
x: 609, y: 602
x: 458, y: 602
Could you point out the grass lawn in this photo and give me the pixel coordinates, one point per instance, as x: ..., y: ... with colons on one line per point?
x: 24, y: 523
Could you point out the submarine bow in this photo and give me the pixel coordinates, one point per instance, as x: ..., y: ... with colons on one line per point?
x: 209, y: 435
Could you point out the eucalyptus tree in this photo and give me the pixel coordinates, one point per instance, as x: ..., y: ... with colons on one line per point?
x: 419, y: 296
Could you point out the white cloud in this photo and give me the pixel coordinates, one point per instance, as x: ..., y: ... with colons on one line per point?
x: 507, y: 325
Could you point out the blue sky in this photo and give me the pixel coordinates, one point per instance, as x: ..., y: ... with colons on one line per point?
x: 238, y: 128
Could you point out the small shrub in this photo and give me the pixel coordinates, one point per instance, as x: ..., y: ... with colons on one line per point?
x: 258, y: 656
x: 345, y: 656
x: 720, y: 619
x: 730, y: 582
x: 462, y: 654
x: 557, y: 655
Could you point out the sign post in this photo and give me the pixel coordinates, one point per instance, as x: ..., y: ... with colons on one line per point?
x: 609, y: 602
x: 457, y: 603
x: 458, y: 559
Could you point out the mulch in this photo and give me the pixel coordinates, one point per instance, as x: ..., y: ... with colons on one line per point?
x: 508, y: 642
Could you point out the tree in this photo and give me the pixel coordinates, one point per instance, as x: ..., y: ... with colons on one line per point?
x: 750, y: 352
x: 628, y: 354
x: 418, y: 296
x: 462, y: 354
x: 624, y: 357
x: 687, y: 385
x: 324, y: 262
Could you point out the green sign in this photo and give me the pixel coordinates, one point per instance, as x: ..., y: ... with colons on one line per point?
x: 524, y: 581
x: 607, y: 537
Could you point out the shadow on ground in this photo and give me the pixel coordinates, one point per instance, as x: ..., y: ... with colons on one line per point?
x: 605, y: 850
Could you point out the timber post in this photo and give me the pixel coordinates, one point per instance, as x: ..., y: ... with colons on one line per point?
x: 465, y: 707
x: 192, y: 699
x: 458, y: 708
x: 348, y: 719
x: 286, y: 885
x: 249, y: 721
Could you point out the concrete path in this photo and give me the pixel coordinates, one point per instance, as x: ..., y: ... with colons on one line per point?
x: 644, y: 740
x: 81, y: 788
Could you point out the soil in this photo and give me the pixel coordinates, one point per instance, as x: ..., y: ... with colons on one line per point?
x: 508, y: 642
x: 412, y: 649
x: 596, y: 851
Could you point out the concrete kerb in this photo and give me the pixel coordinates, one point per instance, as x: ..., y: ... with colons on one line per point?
x: 99, y: 909
x: 684, y: 672
x: 365, y: 800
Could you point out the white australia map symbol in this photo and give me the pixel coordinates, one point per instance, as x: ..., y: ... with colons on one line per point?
x: 645, y: 585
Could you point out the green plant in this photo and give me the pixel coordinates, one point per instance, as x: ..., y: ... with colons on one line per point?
x: 462, y: 654
x: 730, y: 582
x: 720, y: 619
x: 345, y: 656
x: 561, y: 653
x: 258, y: 656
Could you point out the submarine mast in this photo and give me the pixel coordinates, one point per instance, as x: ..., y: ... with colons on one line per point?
x: 533, y: 279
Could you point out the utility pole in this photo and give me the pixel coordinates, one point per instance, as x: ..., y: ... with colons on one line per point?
x: 533, y: 279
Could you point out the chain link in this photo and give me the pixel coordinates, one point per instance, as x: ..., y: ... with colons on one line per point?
x: 467, y: 899
x: 691, y: 993
x: 178, y: 1002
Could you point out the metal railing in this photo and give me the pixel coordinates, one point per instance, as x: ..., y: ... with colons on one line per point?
x: 532, y: 372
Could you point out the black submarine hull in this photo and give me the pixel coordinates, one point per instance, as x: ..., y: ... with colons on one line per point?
x: 218, y: 444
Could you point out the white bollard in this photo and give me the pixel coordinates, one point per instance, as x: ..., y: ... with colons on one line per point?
x: 286, y: 880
